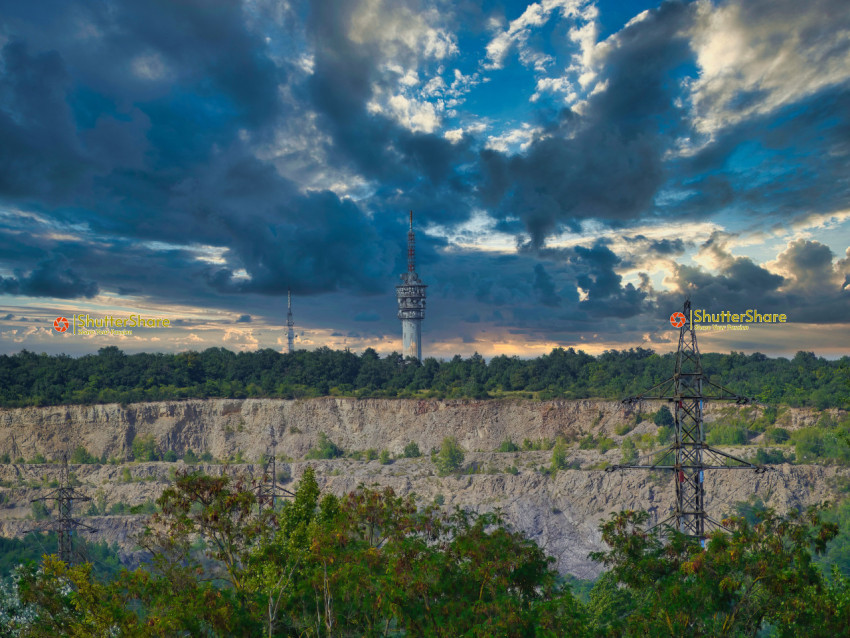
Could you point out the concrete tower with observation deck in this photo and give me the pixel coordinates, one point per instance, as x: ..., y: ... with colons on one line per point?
x: 411, y: 301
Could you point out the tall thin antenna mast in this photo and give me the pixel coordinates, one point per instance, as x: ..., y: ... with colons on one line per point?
x: 687, y: 390
x: 290, y: 323
x: 411, y: 247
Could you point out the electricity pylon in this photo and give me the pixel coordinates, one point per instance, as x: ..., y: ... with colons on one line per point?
x: 688, y: 390
x: 268, y: 490
x: 65, y: 523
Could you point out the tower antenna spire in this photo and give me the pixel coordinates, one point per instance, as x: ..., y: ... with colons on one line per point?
x: 411, y: 247
x: 290, y: 323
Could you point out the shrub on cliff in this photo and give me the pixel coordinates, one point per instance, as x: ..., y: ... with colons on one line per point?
x: 325, y: 449
x: 450, y: 457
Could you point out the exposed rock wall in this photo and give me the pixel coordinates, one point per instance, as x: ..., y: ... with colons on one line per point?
x: 561, y: 512
x: 223, y: 426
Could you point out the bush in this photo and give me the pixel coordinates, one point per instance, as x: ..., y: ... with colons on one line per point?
x: 450, y: 457
x: 663, y: 417
x: 206, y: 457
x: 629, y: 450
x: 325, y: 449
x: 813, y: 444
x: 371, y: 454
x: 776, y: 435
x: 623, y: 428
x: 81, y: 456
x: 5, y: 458
x: 170, y: 456
x: 190, y: 457
x: 411, y: 451
x: 560, y: 456
x: 40, y: 511
x: 727, y: 435
x: 603, y: 444
x: 385, y: 457
x: 144, y: 448
x: 507, y: 446
x: 665, y: 434
x: 772, y: 457
x: 587, y: 443
x: 38, y: 459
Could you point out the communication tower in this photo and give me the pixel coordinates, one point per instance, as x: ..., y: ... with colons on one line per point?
x: 411, y: 302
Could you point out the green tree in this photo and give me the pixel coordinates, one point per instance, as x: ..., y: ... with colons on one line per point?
x: 450, y: 457
x: 663, y: 417
x: 629, y: 450
x: 560, y: 456
x: 144, y: 448
x: 411, y: 451
x: 325, y: 449
x: 81, y: 455
x: 754, y: 576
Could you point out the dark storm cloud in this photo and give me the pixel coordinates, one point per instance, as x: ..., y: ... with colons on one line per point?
x: 422, y: 166
x: 606, y: 164
x: 545, y: 287
x: 606, y: 294
x: 174, y: 88
x: 244, y: 319
x: 810, y: 293
x: 39, y: 153
x: 664, y: 247
x: 775, y: 165
x: 50, y: 278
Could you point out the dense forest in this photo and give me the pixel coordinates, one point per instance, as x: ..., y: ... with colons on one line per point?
x: 29, y: 379
x: 375, y: 564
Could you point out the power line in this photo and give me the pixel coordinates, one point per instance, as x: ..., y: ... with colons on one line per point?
x: 65, y: 524
x: 268, y: 489
x: 688, y: 390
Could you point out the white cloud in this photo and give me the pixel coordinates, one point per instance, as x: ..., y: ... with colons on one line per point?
x: 401, y: 31
x: 519, y: 30
x: 518, y: 139
x: 757, y: 56
x: 418, y: 116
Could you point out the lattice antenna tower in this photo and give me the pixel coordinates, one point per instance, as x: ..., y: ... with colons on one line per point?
x: 268, y: 491
x: 411, y: 301
x: 65, y: 523
x: 688, y: 390
x: 290, y: 323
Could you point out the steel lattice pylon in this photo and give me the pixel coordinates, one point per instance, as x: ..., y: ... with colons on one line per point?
x: 65, y: 523
x: 688, y: 389
x: 268, y: 490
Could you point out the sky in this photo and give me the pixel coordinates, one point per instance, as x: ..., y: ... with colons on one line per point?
x: 576, y: 169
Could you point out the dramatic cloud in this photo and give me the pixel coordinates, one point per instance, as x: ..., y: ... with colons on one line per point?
x: 574, y: 168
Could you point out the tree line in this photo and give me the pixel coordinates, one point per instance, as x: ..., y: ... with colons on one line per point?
x: 110, y: 376
x: 376, y: 564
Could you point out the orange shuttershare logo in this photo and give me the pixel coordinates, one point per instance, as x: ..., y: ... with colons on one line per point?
x: 108, y: 325
x: 725, y: 320
x: 677, y: 319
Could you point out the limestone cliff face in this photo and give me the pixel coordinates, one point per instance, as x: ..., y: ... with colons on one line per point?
x: 223, y: 426
x: 561, y: 512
